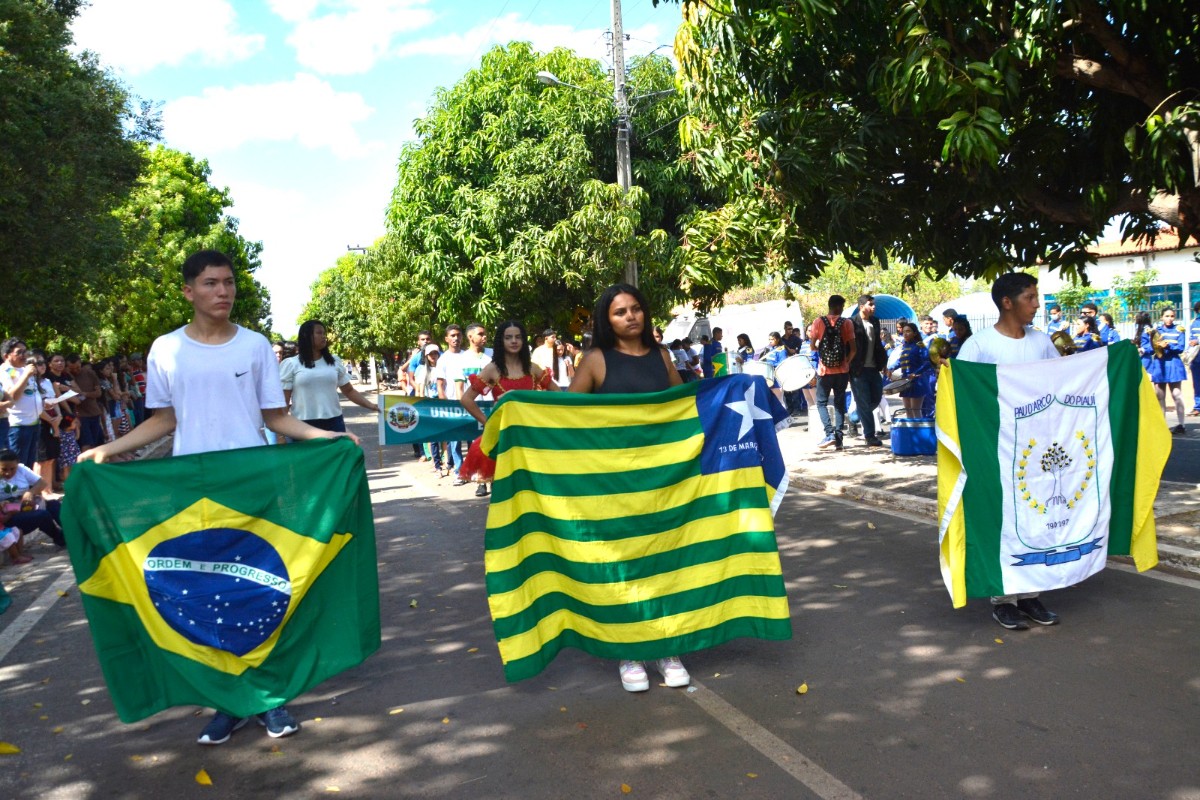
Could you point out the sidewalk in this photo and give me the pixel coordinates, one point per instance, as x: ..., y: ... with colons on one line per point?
x: 909, y: 483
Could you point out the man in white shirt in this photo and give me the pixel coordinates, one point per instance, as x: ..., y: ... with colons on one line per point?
x: 455, y: 368
x: 543, y: 355
x: 449, y: 386
x: 1012, y: 340
x: 214, y: 384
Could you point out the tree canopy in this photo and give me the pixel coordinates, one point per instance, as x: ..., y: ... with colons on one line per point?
x: 967, y: 137
x: 507, y: 206
x: 65, y: 163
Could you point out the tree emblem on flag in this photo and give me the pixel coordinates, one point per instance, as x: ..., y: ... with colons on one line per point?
x: 1055, y: 461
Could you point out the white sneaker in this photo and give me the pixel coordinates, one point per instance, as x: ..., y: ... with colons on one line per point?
x: 633, y: 676
x: 674, y: 675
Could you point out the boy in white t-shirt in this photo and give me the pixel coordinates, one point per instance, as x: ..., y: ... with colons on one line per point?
x: 215, y: 385
x: 1013, y: 340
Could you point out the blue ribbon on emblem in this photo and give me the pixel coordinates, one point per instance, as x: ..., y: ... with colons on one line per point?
x: 1052, y: 558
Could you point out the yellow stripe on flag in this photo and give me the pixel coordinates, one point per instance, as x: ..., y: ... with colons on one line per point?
x: 553, y: 625
x: 536, y: 415
x: 617, y: 459
x: 1154, y: 446
x: 507, y: 604
x: 606, y: 551
x: 952, y: 525
x: 629, y: 504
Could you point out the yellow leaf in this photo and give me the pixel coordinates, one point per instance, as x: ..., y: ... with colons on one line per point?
x: 802, y: 689
x: 67, y: 757
x: 412, y: 603
x: 135, y: 758
x: 961, y: 680
x: 751, y: 774
x: 37, y: 705
x: 999, y: 641
x: 445, y: 720
x: 59, y: 729
x: 871, y: 525
x: 7, y: 749
x: 562, y: 708
x: 317, y: 719
x: 716, y: 674
x: 626, y: 788
x: 61, y: 593
x: 396, y: 711
x: 44, y: 716
x: 332, y: 789
x: 203, y: 779
x: 473, y: 650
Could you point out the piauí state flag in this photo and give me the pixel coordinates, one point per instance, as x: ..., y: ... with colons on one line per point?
x: 634, y: 526
x: 236, y: 579
x: 1045, y: 469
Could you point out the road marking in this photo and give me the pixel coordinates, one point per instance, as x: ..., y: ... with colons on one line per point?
x: 1150, y: 573
x: 782, y: 754
x: 11, y: 636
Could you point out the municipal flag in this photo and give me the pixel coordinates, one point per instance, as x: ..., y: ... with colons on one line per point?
x: 236, y: 579
x: 634, y: 526
x: 1045, y: 469
x: 404, y: 419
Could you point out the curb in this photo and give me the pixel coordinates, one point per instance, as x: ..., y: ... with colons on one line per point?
x: 1179, y: 551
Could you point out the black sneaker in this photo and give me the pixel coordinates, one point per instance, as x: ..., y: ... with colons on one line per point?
x: 1037, y: 612
x: 1009, y: 617
x: 874, y: 442
x: 481, y: 490
x: 837, y: 445
x: 1179, y: 430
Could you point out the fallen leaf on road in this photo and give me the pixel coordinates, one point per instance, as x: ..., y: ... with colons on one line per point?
x: 999, y: 641
x: 317, y: 719
x: 716, y: 674
x: 84, y: 702
x: 37, y: 705
x: 871, y: 525
x: 67, y: 757
x: 44, y: 716
x: 135, y: 758
x: 412, y: 603
x: 582, y: 726
x: 445, y: 720
x: 840, y: 586
x: 396, y: 711
x: 59, y: 729
x: 61, y: 593
x: 275, y: 751
x: 626, y: 788
x: 802, y: 689
x: 562, y: 708
x: 45, y: 681
x: 7, y: 749
x: 332, y: 789
x: 473, y: 650
x: 203, y: 779
x: 961, y: 680
x: 751, y: 774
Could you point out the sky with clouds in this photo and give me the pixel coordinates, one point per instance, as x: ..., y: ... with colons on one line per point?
x: 301, y: 107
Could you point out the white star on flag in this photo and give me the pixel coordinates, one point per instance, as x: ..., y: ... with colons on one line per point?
x: 749, y: 412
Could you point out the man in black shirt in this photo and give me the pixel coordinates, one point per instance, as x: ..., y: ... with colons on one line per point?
x: 866, y: 368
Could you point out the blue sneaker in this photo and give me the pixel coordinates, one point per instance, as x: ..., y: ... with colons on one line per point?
x: 278, y: 722
x: 220, y: 728
x: 828, y: 442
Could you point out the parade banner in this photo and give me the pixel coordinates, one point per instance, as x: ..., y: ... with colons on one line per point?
x: 404, y: 419
x: 634, y: 526
x: 1045, y: 469
x: 236, y: 579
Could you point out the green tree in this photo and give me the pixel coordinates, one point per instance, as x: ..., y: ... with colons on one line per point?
x: 506, y: 205
x: 966, y: 136
x: 65, y: 163
x: 172, y: 212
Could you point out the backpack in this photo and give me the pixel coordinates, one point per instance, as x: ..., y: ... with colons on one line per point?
x: 831, y: 347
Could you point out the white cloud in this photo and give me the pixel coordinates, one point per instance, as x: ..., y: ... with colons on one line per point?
x: 135, y: 36
x: 586, y: 42
x: 306, y: 110
x: 352, y: 38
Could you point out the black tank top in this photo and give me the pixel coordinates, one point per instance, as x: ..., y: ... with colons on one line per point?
x: 626, y: 374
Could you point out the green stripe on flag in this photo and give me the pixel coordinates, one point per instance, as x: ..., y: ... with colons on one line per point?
x: 977, y: 393
x: 1124, y: 369
x: 546, y: 438
x: 591, y: 484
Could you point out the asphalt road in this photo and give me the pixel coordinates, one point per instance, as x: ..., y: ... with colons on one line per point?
x: 907, y: 698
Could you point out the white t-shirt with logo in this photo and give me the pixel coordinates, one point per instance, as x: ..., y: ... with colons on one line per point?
x: 990, y: 346
x: 218, y: 391
x: 314, y: 389
x: 12, y: 489
x: 27, y: 406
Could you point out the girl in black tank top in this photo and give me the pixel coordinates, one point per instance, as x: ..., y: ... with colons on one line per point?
x: 634, y: 363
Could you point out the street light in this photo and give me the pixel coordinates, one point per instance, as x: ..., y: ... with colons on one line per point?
x: 624, y: 104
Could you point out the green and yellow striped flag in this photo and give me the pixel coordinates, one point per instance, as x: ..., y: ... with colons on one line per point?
x: 1045, y: 469
x: 634, y: 526
x: 236, y: 579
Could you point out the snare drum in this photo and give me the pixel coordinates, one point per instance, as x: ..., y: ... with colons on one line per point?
x: 896, y: 387
x: 795, y: 372
x: 760, y: 368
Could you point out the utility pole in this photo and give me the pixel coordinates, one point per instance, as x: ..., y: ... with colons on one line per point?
x: 624, y: 126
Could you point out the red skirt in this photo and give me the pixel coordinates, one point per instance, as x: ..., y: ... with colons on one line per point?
x: 476, y: 466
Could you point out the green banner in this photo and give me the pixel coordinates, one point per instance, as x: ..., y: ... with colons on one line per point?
x: 404, y: 419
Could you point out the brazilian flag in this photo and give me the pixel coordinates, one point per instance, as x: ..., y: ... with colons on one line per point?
x: 236, y: 579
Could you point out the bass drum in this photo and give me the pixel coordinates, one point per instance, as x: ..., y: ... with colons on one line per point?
x: 760, y: 368
x: 794, y: 373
